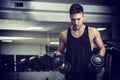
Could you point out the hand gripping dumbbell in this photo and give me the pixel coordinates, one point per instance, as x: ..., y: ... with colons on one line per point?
x: 58, y: 61
x: 96, y: 63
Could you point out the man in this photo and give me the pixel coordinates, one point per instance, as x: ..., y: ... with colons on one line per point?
x: 79, y: 41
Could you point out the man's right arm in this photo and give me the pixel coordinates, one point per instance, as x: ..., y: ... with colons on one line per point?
x: 61, y: 46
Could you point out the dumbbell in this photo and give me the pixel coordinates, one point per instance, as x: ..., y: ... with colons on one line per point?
x: 24, y: 65
x: 66, y: 68
x: 96, y: 63
x: 59, y: 60
x: 34, y: 63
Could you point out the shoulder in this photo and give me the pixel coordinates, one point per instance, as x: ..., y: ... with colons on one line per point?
x: 63, y: 36
x: 63, y: 33
x: 93, y: 30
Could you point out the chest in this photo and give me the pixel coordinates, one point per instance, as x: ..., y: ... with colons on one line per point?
x: 77, y: 34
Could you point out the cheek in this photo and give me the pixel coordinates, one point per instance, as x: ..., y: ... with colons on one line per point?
x: 82, y: 19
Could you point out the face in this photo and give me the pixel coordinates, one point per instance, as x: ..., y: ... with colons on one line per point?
x: 77, y: 20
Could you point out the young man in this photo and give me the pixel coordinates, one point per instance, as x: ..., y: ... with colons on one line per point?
x: 79, y: 41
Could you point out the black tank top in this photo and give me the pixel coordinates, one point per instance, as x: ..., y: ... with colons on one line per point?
x: 78, y: 52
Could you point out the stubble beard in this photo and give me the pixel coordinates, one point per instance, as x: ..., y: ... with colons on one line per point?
x: 77, y: 27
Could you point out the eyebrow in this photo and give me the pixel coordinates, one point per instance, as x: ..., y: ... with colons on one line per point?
x: 74, y: 19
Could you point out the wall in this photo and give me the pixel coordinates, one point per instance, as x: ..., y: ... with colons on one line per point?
x: 22, y: 49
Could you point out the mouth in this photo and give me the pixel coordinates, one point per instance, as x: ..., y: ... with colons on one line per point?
x: 76, y: 26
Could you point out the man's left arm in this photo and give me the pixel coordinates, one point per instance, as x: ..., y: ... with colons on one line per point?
x: 99, y: 43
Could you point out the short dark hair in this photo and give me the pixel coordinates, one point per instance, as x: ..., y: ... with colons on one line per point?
x: 76, y: 8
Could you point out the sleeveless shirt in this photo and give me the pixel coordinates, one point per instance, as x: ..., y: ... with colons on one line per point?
x: 78, y: 52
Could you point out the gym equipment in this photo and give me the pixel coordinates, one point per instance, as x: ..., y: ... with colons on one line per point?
x: 46, y: 62
x: 97, y: 60
x: 112, y: 68
x: 66, y: 68
x: 59, y: 60
x: 96, y: 63
x: 34, y: 63
x: 24, y: 65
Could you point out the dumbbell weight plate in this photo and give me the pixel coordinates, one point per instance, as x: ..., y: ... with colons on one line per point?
x: 66, y: 68
x: 24, y: 62
x: 34, y: 63
x: 23, y: 65
x: 97, y: 60
x: 58, y: 61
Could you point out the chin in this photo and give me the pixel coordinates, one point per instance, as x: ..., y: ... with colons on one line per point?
x: 77, y: 27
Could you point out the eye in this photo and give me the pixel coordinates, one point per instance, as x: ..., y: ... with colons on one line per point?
x: 78, y: 18
x: 72, y: 19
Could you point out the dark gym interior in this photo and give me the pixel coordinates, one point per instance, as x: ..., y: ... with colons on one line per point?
x: 29, y: 30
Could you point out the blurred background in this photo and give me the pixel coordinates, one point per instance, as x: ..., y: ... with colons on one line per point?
x: 31, y: 28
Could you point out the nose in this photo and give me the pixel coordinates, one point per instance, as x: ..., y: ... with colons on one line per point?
x: 75, y: 21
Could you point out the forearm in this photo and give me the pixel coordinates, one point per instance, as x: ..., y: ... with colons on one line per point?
x: 102, y: 51
x: 60, y: 49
